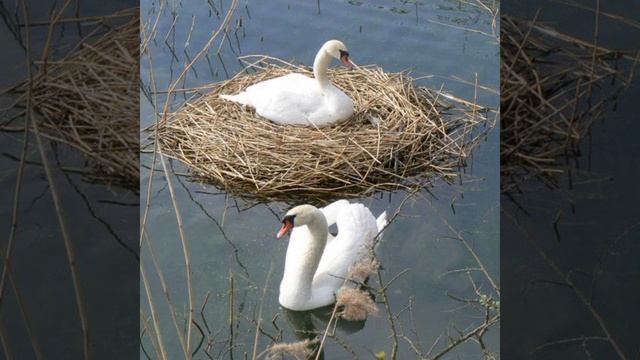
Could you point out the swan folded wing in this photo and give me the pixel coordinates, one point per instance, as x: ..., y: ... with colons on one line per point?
x: 356, y: 230
x: 357, y: 222
x: 330, y: 213
x: 295, y: 99
x: 289, y: 100
x: 332, y: 210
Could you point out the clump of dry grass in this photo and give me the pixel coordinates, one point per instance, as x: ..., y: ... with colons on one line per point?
x: 90, y: 100
x: 356, y: 304
x: 550, y: 96
x: 400, y: 135
x: 299, y: 350
x: 361, y: 270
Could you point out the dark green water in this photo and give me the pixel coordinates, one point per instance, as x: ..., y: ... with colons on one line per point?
x: 598, y: 223
x: 102, y: 221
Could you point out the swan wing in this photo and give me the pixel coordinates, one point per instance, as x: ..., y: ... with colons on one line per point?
x: 289, y: 99
x: 331, y: 211
x: 356, y: 229
x: 295, y: 99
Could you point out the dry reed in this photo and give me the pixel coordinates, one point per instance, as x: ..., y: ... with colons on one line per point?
x: 298, y: 350
x: 363, y: 269
x: 401, y: 136
x: 90, y: 99
x: 553, y: 87
x: 355, y: 304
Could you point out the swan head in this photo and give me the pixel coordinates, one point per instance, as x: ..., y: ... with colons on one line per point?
x: 297, y: 216
x: 338, y: 50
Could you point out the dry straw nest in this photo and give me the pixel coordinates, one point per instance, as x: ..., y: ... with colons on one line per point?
x: 399, y: 137
x: 553, y: 87
x: 90, y: 99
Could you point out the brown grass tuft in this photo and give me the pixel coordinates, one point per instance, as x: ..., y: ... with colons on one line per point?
x: 90, y: 99
x: 357, y: 304
x: 360, y: 271
x: 550, y: 96
x: 299, y: 350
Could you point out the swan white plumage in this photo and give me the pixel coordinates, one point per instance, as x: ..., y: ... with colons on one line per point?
x: 296, y: 99
x: 317, y: 263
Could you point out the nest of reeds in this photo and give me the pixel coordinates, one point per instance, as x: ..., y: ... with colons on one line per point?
x: 553, y: 87
x: 400, y: 136
x: 90, y: 99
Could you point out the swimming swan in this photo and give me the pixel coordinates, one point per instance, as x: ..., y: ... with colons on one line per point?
x: 317, y: 263
x: 296, y: 99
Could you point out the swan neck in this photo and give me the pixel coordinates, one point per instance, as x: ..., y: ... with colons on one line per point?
x: 308, y: 250
x: 320, y: 66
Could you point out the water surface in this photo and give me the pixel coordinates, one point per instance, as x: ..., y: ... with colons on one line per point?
x: 589, y: 230
x: 102, y: 222
x: 230, y: 238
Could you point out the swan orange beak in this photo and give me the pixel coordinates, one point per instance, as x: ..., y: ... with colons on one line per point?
x: 287, y: 225
x: 345, y: 61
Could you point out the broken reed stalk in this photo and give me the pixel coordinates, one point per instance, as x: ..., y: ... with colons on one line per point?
x: 89, y: 100
x: 185, y: 251
x: 480, y: 329
x: 259, y: 320
x: 553, y: 87
x: 401, y: 136
x: 387, y: 306
x: 7, y: 272
x: 4, y: 339
x: 147, y: 37
x: 583, y: 296
x: 68, y: 244
x: 31, y: 119
x: 167, y: 295
x: 159, y: 342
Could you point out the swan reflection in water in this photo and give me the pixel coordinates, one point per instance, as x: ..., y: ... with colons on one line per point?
x: 311, y: 325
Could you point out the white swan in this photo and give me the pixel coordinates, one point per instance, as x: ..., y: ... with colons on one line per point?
x: 296, y: 99
x: 317, y: 263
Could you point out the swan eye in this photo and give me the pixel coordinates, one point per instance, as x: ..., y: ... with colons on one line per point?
x: 287, y: 225
x: 343, y: 53
x: 288, y: 219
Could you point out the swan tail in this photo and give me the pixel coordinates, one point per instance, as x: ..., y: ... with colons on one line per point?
x: 381, y: 221
x: 238, y: 98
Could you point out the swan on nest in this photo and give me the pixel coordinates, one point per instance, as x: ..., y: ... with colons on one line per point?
x: 296, y: 99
